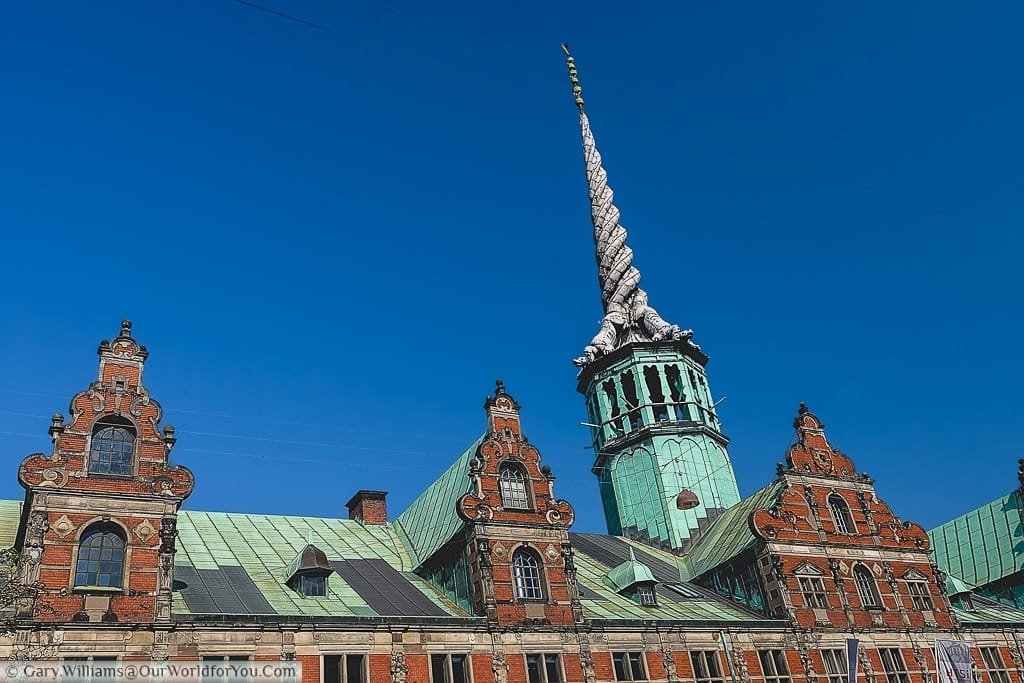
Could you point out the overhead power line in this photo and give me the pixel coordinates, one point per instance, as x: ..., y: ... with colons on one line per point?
x: 254, y: 418
x: 283, y: 15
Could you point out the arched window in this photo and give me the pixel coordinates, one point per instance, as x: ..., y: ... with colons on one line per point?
x: 512, y: 481
x: 841, y: 516
x: 526, y: 574
x: 113, y: 444
x: 100, y: 557
x: 866, y: 587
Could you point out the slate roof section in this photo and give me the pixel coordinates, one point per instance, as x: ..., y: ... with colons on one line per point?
x: 984, y: 545
x: 233, y: 563
x: 730, y: 534
x: 386, y: 590
x: 613, y: 550
x: 430, y: 521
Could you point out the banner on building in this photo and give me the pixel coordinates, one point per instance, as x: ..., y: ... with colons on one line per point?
x: 953, y: 661
x: 852, y: 646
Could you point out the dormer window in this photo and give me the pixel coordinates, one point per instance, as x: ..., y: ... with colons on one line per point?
x: 633, y: 580
x: 308, y: 573
x: 512, y: 482
x: 113, y: 447
x: 313, y: 586
x: 646, y: 596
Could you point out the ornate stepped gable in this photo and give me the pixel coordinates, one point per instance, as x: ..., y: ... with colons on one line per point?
x: 108, y: 471
x: 834, y: 553
x: 513, y: 514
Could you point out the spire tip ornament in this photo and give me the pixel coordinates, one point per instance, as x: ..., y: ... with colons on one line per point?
x: 574, y: 76
x: 628, y: 317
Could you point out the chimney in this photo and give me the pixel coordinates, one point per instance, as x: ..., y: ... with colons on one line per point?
x: 368, y: 507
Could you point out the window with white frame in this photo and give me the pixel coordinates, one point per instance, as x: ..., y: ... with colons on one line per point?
x: 773, y: 666
x: 512, y: 485
x: 344, y: 668
x: 867, y: 589
x: 841, y: 516
x: 526, y: 574
x: 629, y: 666
x: 543, y: 668
x: 449, y: 669
x: 813, y: 590
x: 646, y: 596
x: 101, y: 557
x: 994, y: 665
x: 835, y: 665
x: 919, y: 594
x: 706, y: 666
x: 893, y: 665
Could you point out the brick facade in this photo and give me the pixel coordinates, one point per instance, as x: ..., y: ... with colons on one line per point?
x: 798, y: 536
x: 66, y: 498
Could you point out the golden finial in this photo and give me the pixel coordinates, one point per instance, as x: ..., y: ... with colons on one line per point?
x: 574, y: 76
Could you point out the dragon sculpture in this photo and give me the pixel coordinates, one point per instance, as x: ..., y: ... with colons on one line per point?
x: 628, y: 317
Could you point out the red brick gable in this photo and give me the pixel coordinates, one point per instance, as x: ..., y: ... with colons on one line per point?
x: 506, y: 445
x: 537, y: 522
x: 826, y: 529
x: 66, y: 501
x: 117, y: 393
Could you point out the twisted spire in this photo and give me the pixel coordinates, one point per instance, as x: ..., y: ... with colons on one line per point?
x: 627, y: 315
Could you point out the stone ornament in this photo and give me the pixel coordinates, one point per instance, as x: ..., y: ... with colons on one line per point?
x: 144, y: 530
x: 54, y: 477
x: 63, y: 527
x: 499, y: 667
x: 399, y: 669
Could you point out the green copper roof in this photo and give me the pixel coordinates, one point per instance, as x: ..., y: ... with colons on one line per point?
x: 10, y: 517
x: 955, y: 586
x: 983, y: 545
x: 230, y: 563
x: 235, y: 564
x: 430, y: 521
x: 627, y: 574
x: 677, y: 601
x: 729, y: 534
x: 988, y: 612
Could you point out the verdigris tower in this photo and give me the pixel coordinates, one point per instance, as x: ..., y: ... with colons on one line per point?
x: 661, y: 457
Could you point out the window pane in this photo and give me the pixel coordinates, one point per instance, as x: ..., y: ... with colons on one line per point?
x: 618, y: 664
x: 533, y: 668
x: 111, y: 451
x: 332, y: 669
x: 512, y: 483
x: 552, y: 669
x: 459, y: 669
x: 438, y: 669
x: 637, y: 666
x: 526, y: 573
x: 100, y: 558
x: 354, y: 669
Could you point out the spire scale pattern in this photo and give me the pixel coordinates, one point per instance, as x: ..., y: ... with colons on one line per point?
x: 628, y: 316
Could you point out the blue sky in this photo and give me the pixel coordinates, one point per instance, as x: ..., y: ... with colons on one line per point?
x: 333, y: 241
